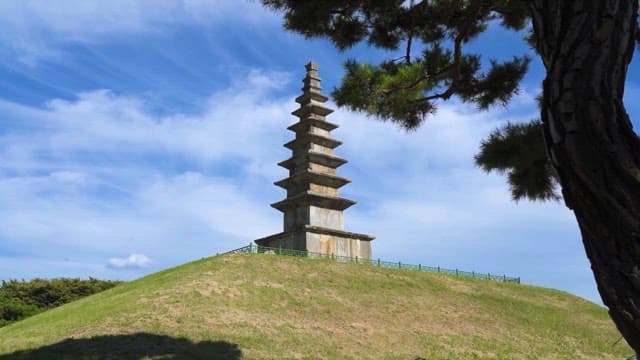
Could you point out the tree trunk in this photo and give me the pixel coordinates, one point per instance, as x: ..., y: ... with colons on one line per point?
x: 586, y: 47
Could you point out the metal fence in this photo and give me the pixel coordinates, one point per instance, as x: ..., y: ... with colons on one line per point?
x: 257, y: 249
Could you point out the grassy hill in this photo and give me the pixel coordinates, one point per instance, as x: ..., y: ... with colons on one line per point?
x: 266, y: 306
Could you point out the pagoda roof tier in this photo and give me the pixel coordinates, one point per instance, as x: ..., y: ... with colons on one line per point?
x: 308, y: 96
x: 314, y: 199
x: 313, y: 177
x: 312, y: 108
x: 340, y: 233
x: 303, y: 139
x: 316, y: 230
x: 314, y: 157
x: 305, y: 123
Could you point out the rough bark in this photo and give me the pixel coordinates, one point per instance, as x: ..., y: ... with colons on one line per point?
x: 586, y: 47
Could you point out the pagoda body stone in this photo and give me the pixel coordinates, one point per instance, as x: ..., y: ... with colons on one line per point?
x: 313, y: 208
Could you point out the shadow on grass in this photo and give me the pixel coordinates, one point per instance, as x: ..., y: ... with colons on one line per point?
x: 130, y: 347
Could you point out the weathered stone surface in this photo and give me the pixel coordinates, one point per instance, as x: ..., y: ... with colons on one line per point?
x: 313, y: 218
x: 321, y: 240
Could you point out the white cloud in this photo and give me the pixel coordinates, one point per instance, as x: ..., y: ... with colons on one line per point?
x: 132, y: 261
x: 101, y: 172
x: 236, y: 122
x: 220, y: 205
x: 69, y: 177
x: 36, y: 29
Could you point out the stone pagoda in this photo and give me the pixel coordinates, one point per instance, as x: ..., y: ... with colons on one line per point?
x: 313, y: 219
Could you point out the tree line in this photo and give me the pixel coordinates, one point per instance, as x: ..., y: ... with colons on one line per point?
x: 20, y: 299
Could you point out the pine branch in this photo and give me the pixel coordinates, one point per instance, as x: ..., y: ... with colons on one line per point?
x: 457, y: 52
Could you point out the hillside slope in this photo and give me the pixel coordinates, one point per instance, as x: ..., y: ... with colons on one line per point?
x: 266, y: 306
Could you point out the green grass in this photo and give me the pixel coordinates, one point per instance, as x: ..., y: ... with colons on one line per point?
x: 266, y: 306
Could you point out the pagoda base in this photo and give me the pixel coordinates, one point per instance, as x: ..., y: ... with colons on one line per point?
x: 321, y: 240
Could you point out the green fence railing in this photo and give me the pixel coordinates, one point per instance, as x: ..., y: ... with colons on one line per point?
x: 257, y: 249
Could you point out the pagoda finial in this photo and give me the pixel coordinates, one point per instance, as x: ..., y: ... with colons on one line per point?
x: 312, y: 80
x: 311, y: 66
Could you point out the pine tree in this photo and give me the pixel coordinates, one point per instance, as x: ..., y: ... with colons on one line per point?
x: 584, y: 141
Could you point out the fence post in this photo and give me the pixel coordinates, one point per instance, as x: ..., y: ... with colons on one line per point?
x: 279, y: 250
x: 399, y: 265
x: 504, y: 278
x: 438, y: 268
x: 489, y: 276
x: 456, y: 272
x: 332, y: 256
x: 473, y: 274
x: 356, y: 259
x: 420, y: 267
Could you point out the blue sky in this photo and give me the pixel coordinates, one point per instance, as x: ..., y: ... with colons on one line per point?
x: 139, y: 135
